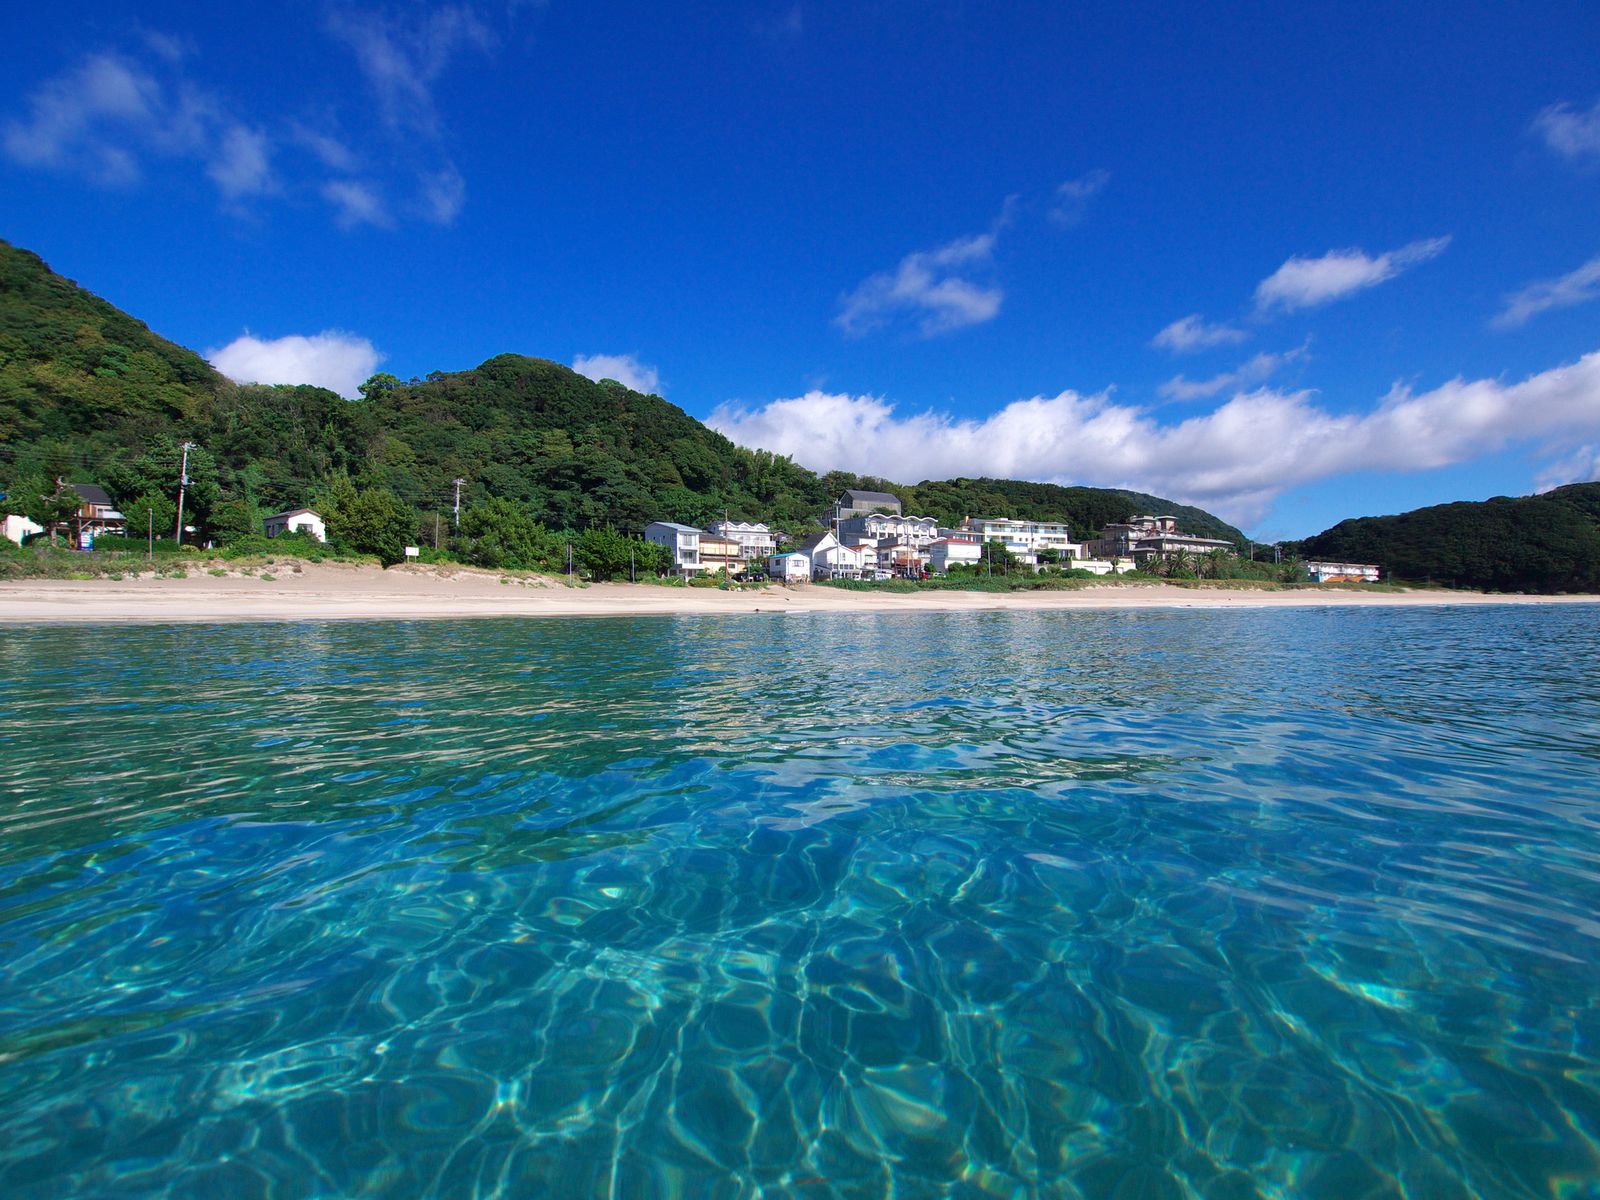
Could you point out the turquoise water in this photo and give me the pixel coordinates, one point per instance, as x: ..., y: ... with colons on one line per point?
x: 1164, y: 904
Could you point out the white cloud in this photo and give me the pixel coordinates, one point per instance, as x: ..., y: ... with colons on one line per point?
x: 339, y: 361
x: 1192, y: 333
x: 328, y: 149
x: 403, y: 57
x: 1573, y: 135
x: 102, y: 117
x: 1581, y: 466
x: 444, y: 195
x: 116, y: 115
x: 1072, y: 197
x: 626, y: 369
x: 786, y: 25
x: 242, y: 163
x: 1307, y: 282
x: 927, y: 287
x: 356, y: 204
x: 1235, y: 458
x: 1575, y: 287
x: 1247, y: 375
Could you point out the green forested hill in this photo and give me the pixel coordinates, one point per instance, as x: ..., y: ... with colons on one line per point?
x: 1547, y: 543
x: 89, y: 393
x: 78, y: 372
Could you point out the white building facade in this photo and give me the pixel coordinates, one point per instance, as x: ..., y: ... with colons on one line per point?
x: 682, y: 540
x: 880, y: 527
x: 296, y: 520
x: 16, y: 527
x: 755, y: 540
x: 944, y: 553
x: 1333, y: 572
x: 1024, y: 539
x: 792, y: 567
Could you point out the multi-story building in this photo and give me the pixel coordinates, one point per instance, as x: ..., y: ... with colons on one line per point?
x: 96, y: 514
x: 854, y: 503
x: 891, y: 528
x: 1144, y: 538
x: 1332, y: 572
x: 755, y: 540
x: 1024, y: 539
x: 721, y: 554
x: 682, y: 540
x: 830, y: 559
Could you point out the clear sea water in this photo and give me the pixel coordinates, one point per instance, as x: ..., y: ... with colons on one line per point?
x: 1123, y: 904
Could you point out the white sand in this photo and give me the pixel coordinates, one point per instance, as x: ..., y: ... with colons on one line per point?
x: 346, y: 591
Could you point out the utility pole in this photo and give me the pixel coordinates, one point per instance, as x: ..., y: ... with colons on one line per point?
x: 459, y: 482
x: 150, y: 534
x: 435, y: 531
x: 183, y: 482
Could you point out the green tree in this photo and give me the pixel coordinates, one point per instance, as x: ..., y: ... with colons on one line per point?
x: 44, y: 501
x: 380, y: 384
x: 152, y: 511
x: 375, y: 522
x: 236, y: 518
x: 995, y: 558
x: 503, y: 533
x: 332, y: 500
x: 606, y: 554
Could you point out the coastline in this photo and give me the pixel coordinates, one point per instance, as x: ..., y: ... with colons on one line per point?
x: 354, y: 592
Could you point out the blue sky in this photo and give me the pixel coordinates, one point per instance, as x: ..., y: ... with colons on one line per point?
x: 1292, y: 263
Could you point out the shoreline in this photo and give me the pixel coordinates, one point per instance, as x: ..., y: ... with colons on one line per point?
x: 333, y: 591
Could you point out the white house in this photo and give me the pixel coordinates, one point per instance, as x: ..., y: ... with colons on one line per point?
x: 943, y: 553
x: 682, y: 540
x: 296, y: 520
x: 1025, y: 539
x: 17, y: 527
x: 867, y: 552
x: 755, y: 540
x: 829, y: 559
x: 876, y: 527
x: 837, y: 562
x: 1333, y: 572
x: 792, y: 567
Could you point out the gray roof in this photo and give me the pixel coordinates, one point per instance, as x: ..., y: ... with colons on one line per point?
x: 811, y: 543
x: 872, y: 497
x: 293, y: 512
x: 675, y: 525
x: 92, y: 493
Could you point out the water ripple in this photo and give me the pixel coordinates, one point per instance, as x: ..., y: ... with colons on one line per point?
x: 1271, y: 904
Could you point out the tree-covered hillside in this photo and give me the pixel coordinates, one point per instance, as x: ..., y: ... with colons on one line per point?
x: 1547, y: 543
x: 89, y: 394
x: 78, y: 376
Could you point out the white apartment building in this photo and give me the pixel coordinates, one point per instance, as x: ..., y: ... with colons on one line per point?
x: 893, y: 527
x: 682, y: 540
x: 1333, y: 572
x: 755, y: 540
x: 1025, y: 539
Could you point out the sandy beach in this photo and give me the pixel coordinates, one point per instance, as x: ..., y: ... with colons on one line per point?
x: 348, y: 591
